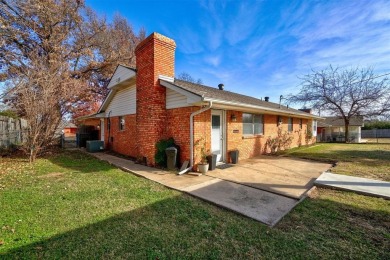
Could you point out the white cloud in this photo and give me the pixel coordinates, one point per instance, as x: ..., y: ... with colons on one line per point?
x: 213, y: 60
x: 243, y: 24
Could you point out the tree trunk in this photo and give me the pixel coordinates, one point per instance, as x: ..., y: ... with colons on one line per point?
x: 346, y: 130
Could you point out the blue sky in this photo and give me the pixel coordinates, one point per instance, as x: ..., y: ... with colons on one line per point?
x: 260, y: 48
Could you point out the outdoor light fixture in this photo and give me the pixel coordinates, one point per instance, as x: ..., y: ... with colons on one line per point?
x: 233, y: 118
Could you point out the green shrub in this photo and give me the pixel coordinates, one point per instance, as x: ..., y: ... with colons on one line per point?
x: 377, y: 125
x: 160, y: 156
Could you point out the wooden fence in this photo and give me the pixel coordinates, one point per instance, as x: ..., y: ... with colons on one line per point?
x: 12, y: 131
x: 376, y: 133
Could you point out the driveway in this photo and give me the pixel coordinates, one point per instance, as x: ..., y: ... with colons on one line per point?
x: 285, y: 176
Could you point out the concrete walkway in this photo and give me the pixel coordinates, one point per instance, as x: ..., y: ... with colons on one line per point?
x: 359, y: 185
x: 258, y: 204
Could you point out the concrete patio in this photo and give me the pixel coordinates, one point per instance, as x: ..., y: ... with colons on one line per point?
x: 285, y: 176
x: 252, y: 200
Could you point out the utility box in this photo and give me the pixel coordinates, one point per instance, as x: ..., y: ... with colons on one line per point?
x: 95, y: 146
x: 171, y: 153
x: 234, y: 156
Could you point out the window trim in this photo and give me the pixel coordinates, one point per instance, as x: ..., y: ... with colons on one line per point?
x: 253, y: 125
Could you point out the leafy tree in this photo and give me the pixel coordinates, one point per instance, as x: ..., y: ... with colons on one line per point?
x: 56, y: 55
x: 187, y: 77
x: 345, y: 93
x: 8, y: 113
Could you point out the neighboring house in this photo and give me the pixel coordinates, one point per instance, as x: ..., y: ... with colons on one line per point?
x: 70, y: 130
x: 332, y: 129
x: 67, y: 128
x: 148, y: 104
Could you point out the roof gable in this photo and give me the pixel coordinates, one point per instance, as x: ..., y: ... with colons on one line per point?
x: 121, y: 74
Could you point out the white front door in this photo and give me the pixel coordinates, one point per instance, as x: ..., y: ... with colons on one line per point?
x: 217, y: 134
x: 101, y: 129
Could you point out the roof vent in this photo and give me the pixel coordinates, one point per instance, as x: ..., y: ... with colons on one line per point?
x: 220, y: 86
x: 266, y: 99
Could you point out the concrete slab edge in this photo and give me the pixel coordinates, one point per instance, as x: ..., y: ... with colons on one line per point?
x: 351, y: 190
x: 299, y: 201
x: 246, y: 185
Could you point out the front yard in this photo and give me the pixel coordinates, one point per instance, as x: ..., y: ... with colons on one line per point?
x: 72, y: 205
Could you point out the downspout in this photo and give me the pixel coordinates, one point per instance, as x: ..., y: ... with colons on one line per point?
x: 109, y: 129
x: 192, y: 131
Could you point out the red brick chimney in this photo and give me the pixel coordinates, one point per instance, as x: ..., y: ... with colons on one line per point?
x: 155, y: 56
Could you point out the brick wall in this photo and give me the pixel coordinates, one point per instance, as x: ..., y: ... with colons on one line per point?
x: 154, y: 56
x: 122, y: 141
x: 250, y: 146
x: 178, y: 127
x: 202, y: 133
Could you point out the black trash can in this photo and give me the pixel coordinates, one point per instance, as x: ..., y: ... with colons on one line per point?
x: 171, y: 153
x: 212, y: 159
x: 234, y: 156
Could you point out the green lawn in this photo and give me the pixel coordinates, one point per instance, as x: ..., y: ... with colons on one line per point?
x: 362, y: 160
x: 71, y: 205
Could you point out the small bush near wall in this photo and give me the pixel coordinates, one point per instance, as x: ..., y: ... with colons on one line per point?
x: 281, y: 142
x: 160, y: 157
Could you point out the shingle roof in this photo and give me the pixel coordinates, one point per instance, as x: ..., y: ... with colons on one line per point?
x: 224, y: 95
x: 339, y: 121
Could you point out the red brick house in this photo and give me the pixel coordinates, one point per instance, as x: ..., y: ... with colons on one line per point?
x: 148, y: 104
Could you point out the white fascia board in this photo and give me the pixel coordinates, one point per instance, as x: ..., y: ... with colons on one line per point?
x: 107, y: 101
x: 191, y: 97
x: 266, y: 109
x: 98, y: 115
x: 129, y: 74
x: 166, y: 78
x: 101, y: 115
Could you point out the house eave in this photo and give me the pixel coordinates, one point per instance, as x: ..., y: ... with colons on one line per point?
x: 260, y: 109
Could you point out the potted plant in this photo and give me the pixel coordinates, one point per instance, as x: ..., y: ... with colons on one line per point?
x: 203, y: 165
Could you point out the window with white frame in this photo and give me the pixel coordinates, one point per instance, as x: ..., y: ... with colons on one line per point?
x: 121, y: 123
x: 290, y: 124
x: 252, y: 124
x: 300, y: 123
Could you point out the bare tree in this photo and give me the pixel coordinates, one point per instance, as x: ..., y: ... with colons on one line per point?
x: 345, y: 93
x: 53, y: 54
x: 114, y: 45
x: 187, y: 77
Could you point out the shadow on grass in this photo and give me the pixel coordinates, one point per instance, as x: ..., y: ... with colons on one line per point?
x: 78, y: 161
x: 180, y: 227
